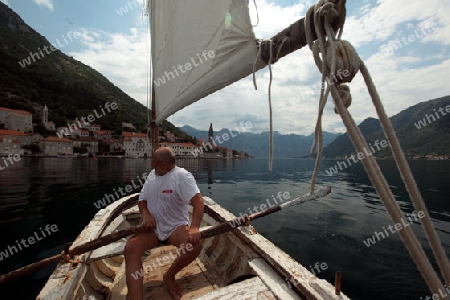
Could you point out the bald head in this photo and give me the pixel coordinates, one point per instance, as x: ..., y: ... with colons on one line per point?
x: 164, y: 154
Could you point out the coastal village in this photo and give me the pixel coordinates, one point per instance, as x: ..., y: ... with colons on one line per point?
x: 87, y: 139
x: 84, y: 139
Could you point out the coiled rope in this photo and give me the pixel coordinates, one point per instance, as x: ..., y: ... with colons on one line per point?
x: 330, y: 54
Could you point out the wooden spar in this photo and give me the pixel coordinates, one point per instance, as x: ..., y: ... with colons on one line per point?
x: 338, y: 283
x: 110, y: 238
x: 295, y: 36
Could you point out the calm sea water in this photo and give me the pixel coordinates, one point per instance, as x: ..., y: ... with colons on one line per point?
x: 35, y: 192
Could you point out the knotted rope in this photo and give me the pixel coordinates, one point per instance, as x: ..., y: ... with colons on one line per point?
x: 330, y: 54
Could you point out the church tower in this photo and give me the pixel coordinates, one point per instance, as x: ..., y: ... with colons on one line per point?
x: 45, y: 115
x: 211, y: 135
x: 211, y: 138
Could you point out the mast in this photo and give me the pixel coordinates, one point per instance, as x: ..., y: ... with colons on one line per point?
x: 154, y: 126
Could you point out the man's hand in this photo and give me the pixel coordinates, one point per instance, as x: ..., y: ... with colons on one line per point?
x: 193, y: 235
x: 149, y: 221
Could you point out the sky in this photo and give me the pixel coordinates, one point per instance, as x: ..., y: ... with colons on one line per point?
x: 116, y: 43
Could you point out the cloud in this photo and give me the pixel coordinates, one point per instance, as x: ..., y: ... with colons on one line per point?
x: 416, y: 72
x: 45, y: 3
x: 121, y: 57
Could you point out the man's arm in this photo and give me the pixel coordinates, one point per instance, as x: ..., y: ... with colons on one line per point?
x: 197, y: 216
x: 149, y: 221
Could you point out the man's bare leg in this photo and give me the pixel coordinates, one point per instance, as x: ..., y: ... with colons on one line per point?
x: 187, y: 253
x: 134, y: 250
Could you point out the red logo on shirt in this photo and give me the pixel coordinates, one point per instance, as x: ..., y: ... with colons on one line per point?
x: 167, y: 192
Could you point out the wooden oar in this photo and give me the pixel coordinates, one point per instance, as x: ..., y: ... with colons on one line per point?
x: 244, y: 220
x: 107, y: 239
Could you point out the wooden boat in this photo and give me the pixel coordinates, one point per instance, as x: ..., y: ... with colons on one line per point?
x: 216, y: 44
x: 240, y: 264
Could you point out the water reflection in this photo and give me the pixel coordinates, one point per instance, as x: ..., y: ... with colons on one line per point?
x: 39, y: 191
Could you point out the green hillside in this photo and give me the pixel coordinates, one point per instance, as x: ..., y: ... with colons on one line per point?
x: 422, y: 129
x: 69, y: 88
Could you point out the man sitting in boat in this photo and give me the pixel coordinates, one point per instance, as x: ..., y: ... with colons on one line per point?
x: 163, y: 203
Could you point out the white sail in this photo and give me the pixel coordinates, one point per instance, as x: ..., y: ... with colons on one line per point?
x: 198, y: 47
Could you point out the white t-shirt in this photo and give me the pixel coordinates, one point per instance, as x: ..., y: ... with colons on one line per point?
x: 168, y: 198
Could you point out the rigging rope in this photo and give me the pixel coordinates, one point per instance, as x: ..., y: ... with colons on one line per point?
x: 340, y: 54
x: 257, y: 14
x: 271, y: 61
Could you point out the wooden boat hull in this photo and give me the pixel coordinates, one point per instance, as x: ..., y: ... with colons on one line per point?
x: 240, y: 264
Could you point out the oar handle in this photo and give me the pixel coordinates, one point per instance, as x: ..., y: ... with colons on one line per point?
x: 89, y: 246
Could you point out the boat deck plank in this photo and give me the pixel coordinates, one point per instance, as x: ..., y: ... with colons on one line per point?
x: 252, y: 288
x: 191, y: 279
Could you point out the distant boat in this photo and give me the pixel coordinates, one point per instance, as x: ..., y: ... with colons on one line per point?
x: 66, y: 155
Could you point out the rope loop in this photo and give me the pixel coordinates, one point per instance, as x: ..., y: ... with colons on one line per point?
x: 347, y: 62
x: 324, y: 12
x: 345, y: 95
x: 328, y: 11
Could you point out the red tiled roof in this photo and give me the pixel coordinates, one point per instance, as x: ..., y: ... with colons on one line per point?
x: 134, y: 134
x: 101, y: 132
x: 57, y: 139
x: 11, y: 132
x: 179, y: 144
x: 23, y: 112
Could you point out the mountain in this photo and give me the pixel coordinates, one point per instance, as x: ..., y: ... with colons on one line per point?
x: 422, y: 129
x: 34, y: 74
x: 290, y: 145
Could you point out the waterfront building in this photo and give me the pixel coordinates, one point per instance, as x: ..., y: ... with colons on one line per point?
x: 53, y: 145
x: 19, y: 120
x: 181, y: 149
x: 136, y: 144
